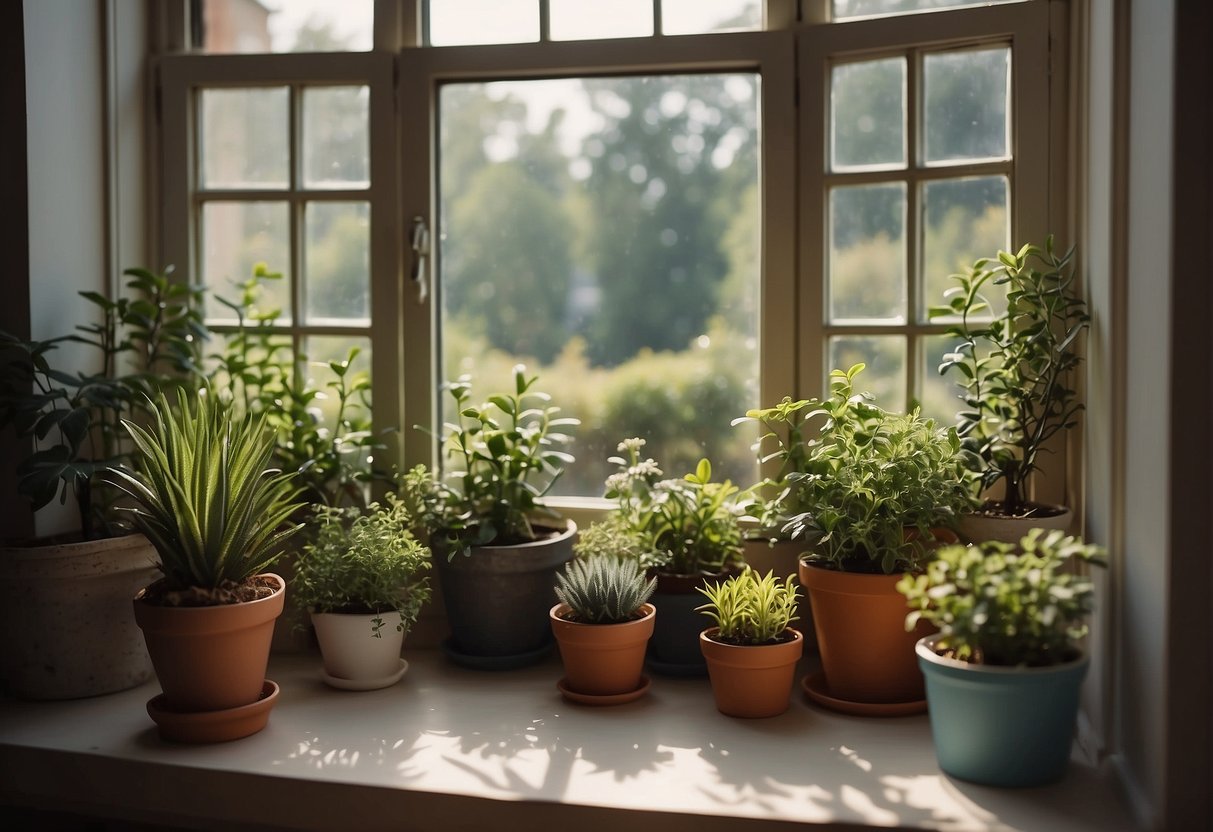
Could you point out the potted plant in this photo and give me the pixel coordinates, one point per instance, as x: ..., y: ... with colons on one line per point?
x: 752, y: 651
x: 497, y: 545
x: 145, y: 341
x: 218, y: 517
x: 1016, y: 369
x: 602, y: 626
x: 1003, y: 673
x: 361, y: 577
x: 881, y: 490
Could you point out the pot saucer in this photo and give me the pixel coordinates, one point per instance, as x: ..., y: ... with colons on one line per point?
x: 366, y: 684
x: 603, y: 699
x: 213, y: 726
x: 815, y: 688
x: 686, y: 671
x: 512, y: 662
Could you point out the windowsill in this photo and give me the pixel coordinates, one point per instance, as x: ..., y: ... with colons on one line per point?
x: 453, y: 749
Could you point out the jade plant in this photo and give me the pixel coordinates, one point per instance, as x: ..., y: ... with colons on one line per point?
x: 1006, y: 605
x: 1017, y: 367
x: 603, y: 589
x: 751, y: 610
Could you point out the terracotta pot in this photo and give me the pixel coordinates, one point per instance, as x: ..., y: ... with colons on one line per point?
x: 66, y: 617
x: 783, y: 558
x: 979, y: 528
x: 350, y: 649
x: 751, y: 681
x: 211, y: 658
x: 602, y: 659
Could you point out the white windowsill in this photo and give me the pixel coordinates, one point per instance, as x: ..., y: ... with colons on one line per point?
x: 448, y: 748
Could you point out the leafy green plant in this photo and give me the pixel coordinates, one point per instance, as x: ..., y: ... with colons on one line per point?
x: 145, y: 342
x: 604, y: 589
x: 1002, y: 604
x: 750, y: 610
x: 875, y: 484
x: 1016, y: 368
x: 774, y: 501
x: 364, y: 562
x: 204, y: 493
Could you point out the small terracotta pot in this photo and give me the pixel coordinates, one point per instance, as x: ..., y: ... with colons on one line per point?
x: 602, y: 659
x: 751, y: 681
x: 211, y: 658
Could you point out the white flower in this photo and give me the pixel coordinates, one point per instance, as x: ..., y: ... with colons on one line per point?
x: 633, y: 444
x: 644, y: 469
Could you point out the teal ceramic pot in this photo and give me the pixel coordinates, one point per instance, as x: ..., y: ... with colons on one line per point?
x: 1001, y: 726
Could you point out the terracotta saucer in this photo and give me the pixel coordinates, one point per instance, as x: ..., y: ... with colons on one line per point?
x: 495, y: 662
x: 609, y: 699
x: 366, y: 684
x: 815, y: 688
x: 213, y: 726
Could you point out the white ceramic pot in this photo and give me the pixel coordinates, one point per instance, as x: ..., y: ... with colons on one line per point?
x: 352, y: 653
x: 979, y: 528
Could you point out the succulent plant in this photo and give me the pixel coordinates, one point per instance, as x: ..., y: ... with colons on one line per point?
x: 603, y: 589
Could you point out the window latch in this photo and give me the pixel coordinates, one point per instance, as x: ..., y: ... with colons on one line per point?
x: 420, y: 242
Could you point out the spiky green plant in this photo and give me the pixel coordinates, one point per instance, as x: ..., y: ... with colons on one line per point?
x: 604, y: 590
x: 205, y: 496
x: 750, y: 610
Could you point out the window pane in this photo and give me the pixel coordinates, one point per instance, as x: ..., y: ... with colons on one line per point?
x: 235, y: 237
x: 337, y: 260
x: 244, y: 138
x: 285, y: 26
x: 966, y: 105
x: 964, y: 219
x: 690, y: 17
x: 885, y: 357
x: 868, y: 114
x: 319, y: 350
x: 605, y: 232
x: 336, y: 151
x: 939, y: 393
x: 459, y: 22
x: 867, y: 265
x: 593, y: 19
x: 874, y: 8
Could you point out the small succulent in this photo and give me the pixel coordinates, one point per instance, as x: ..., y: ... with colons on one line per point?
x: 603, y: 589
x: 750, y: 610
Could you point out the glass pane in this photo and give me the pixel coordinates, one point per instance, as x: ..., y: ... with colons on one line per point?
x: 966, y: 105
x: 244, y: 138
x: 319, y: 350
x: 605, y: 232
x: 868, y: 114
x: 337, y: 261
x: 593, y: 19
x: 885, y: 357
x: 691, y: 17
x: 940, y: 394
x: 867, y: 265
x: 336, y: 151
x: 236, y: 236
x: 250, y: 366
x: 964, y: 219
x: 459, y: 22
x: 285, y: 26
x: 876, y: 8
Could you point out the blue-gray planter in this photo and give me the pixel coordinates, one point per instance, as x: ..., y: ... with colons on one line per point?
x: 1001, y: 726
x: 674, y: 648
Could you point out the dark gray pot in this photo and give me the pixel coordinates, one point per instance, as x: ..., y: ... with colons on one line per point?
x: 674, y: 649
x: 497, y: 598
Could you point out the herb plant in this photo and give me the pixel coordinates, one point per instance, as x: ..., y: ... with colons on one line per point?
x: 1016, y: 368
x: 999, y: 604
x: 750, y: 610
x: 364, y: 562
x: 775, y: 500
x: 603, y: 589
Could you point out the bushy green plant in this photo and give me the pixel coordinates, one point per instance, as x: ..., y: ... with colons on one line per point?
x: 611, y: 537
x: 750, y: 610
x: 364, y: 562
x: 875, y: 484
x: 204, y: 493
x: 773, y: 501
x: 1002, y: 604
x: 1016, y: 368
x: 604, y: 589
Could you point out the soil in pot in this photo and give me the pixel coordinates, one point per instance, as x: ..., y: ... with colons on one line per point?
x: 752, y: 681
x: 602, y: 660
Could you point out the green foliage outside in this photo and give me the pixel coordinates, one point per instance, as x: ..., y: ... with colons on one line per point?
x: 751, y: 610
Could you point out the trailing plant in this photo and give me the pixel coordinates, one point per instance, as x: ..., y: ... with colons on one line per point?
x: 774, y: 501
x: 604, y: 589
x: 1007, y: 605
x: 875, y: 484
x: 205, y: 495
x: 364, y: 562
x: 145, y: 342
x: 751, y: 610
x: 1016, y: 368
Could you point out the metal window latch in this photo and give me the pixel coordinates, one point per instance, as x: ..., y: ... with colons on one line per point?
x: 420, y: 242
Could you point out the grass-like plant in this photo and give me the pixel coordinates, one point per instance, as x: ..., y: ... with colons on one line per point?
x: 603, y: 589
x: 204, y: 493
x: 750, y: 610
x: 1002, y: 604
x: 365, y: 563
